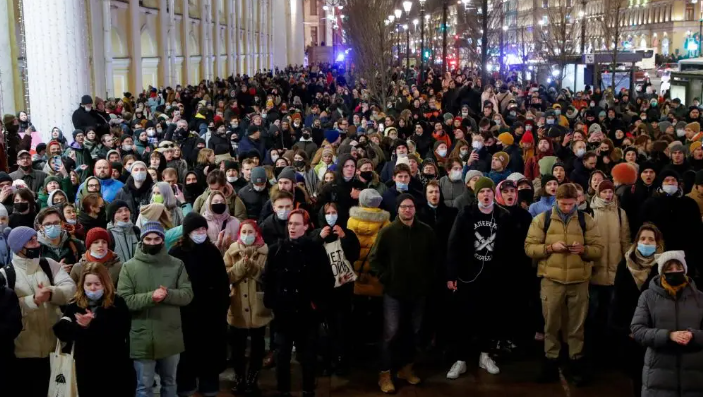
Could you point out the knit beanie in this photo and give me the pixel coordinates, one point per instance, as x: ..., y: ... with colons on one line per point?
x: 624, y: 173
x: 695, y: 145
x: 86, y: 100
x: 331, y: 136
x: 370, y: 198
x: 558, y: 163
x: 527, y: 137
x: 258, y: 175
x: 516, y: 177
x: 19, y: 236
x: 447, y: 117
x: 546, y: 164
x: 546, y: 178
x: 193, y: 221
x: 5, y: 177
x: 605, y: 185
x: 595, y: 127
x: 76, y: 132
x: 113, y: 207
x: 677, y: 146
x: 669, y: 255
x: 695, y: 127
x: 96, y: 233
x: 287, y: 173
x: 152, y: 227
x: 504, y: 158
x: 647, y: 165
x: 698, y: 181
x: 471, y: 174
x: 403, y: 197
x: 483, y: 182
x: 506, y: 138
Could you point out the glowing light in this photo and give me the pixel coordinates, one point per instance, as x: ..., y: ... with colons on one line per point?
x: 340, y: 57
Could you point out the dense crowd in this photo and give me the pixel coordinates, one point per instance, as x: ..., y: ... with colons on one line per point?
x: 174, y: 232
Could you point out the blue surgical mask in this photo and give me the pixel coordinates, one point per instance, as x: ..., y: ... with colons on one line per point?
x: 401, y: 187
x: 580, y: 152
x: 331, y: 219
x: 646, y: 249
x: 247, y: 239
x: 94, y: 295
x: 97, y: 255
x: 124, y: 225
x: 283, y: 214
x: 198, y: 238
x: 52, y: 231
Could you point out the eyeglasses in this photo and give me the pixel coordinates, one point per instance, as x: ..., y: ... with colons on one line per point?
x: 407, y: 207
x: 94, y: 186
x: 57, y: 223
x: 168, y: 146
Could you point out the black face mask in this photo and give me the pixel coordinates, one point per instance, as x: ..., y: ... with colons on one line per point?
x: 277, y: 171
x: 429, y: 176
x: 367, y: 175
x: 152, y: 249
x: 26, y: 168
x: 306, y: 135
x: 675, y: 279
x: 219, y: 208
x: 299, y: 164
x: 32, y: 253
x: 21, y: 207
x: 525, y: 195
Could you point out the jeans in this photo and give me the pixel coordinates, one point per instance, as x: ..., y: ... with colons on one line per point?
x: 304, y: 334
x: 402, y: 322
x: 146, y: 369
x: 238, y: 340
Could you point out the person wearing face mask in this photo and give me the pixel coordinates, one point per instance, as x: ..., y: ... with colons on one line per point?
x: 24, y: 208
x: 162, y: 193
x: 247, y: 317
x: 633, y: 276
x: 564, y: 241
x: 667, y: 322
x: 480, y: 247
x: 342, y: 247
x: 42, y: 287
x: 273, y: 227
x: 305, y: 143
x: 5, y: 252
x: 155, y: 286
x: 204, y: 319
x: 137, y: 190
x: 97, y: 250
x: 286, y: 182
x: 222, y: 227
x: 56, y: 242
x: 479, y: 159
x: 452, y: 184
x: 344, y: 190
x: 677, y: 216
x: 399, y: 150
x: 124, y: 236
x: 255, y: 194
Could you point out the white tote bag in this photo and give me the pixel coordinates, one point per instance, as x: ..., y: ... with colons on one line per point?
x: 341, y: 268
x: 63, y: 374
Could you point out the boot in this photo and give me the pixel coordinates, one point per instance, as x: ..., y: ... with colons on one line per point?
x: 549, y: 372
x: 386, y: 383
x: 406, y: 373
x: 240, y: 385
x: 252, y: 388
x: 578, y: 372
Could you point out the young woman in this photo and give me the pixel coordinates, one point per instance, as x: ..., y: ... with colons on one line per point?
x: 92, y: 212
x: 221, y: 226
x: 204, y: 319
x: 97, y: 324
x: 667, y: 322
x: 24, y: 209
x: 547, y: 196
x: 163, y: 193
x: 245, y: 260
x: 97, y: 251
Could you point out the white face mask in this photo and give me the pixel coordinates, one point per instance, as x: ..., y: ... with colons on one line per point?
x: 232, y: 179
x: 477, y: 145
x: 487, y: 206
x: 198, y: 238
x: 680, y: 133
x: 580, y: 152
x: 670, y: 189
x: 139, y: 176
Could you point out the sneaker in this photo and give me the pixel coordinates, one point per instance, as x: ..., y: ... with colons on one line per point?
x: 457, y: 369
x: 487, y: 363
x: 386, y: 383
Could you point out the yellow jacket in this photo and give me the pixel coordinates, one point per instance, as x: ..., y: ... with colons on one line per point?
x: 246, y: 308
x: 366, y: 223
x: 615, y: 233
x: 564, y: 268
x: 698, y: 198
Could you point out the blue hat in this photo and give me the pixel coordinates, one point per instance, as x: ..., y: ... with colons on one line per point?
x: 19, y: 236
x: 153, y: 227
x: 258, y: 175
x: 331, y: 136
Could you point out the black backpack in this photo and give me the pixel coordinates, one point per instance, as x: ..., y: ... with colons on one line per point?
x: 10, y: 276
x: 582, y: 222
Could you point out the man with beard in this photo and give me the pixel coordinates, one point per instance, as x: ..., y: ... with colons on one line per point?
x: 34, y: 179
x: 109, y: 187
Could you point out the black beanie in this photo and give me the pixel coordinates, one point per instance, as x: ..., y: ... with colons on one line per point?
x: 113, y: 207
x: 547, y: 178
x: 193, y: 221
x: 5, y: 177
x: 287, y: 173
x: 403, y: 197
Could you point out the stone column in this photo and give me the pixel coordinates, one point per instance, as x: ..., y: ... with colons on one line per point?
x: 185, y: 26
x: 216, y: 33
x: 7, y: 87
x: 229, y: 42
x: 107, y: 48
x: 135, y: 48
x: 204, y: 41
x: 57, y: 61
x: 165, y: 66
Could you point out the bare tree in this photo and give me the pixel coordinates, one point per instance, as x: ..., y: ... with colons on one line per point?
x: 557, y: 34
x: 369, y: 39
x: 524, y: 43
x: 610, y: 31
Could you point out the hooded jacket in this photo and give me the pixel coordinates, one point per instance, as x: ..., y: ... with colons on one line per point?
x: 366, y: 224
x: 235, y: 205
x: 125, y: 240
x: 614, y: 230
x: 113, y: 265
x: 68, y: 248
x: 135, y: 197
x: 219, y: 222
x: 253, y: 200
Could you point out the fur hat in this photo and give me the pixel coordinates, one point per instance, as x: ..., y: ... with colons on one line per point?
x: 665, y: 257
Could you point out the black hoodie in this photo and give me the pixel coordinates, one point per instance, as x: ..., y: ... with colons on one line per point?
x: 135, y: 197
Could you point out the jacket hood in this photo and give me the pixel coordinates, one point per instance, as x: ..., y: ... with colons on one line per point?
x: 160, y: 258
x: 370, y: 214
x: 655, y: 285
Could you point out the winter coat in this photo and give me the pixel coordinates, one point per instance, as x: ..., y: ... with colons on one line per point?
x: 246, y: 308
x: 465, y: 199
x: 516, y: 164
x: 253, y: 201
x: 5, y: 251
x: 451, y: 190
x: 114, y: 266
x: 10, y: 324
x: 626, y: 293
x: 563, y: 267
x: 124, y: 241
x: 499, y: 176
x: 339, y: 191
x: 391, y: 195
x: 545, y: 203
x: 135, y: 197
x: 37, y: 339
x: 376, y: 184
x: 109, y: 188
x: 219, y: 222
x: 580, y: 174
x: 633, y: 205
x: 204, y: 319
x: 107, y: 335
x: 156, y: 327
x: 614, y: 231
x: 698, y: 198
x: 34, y: 178
x: 366, y: 223
x: 406, y: 272
x: 670, y: 369
x: 68, y: 248
x: 235, y: 204
x: 483, y: 163
x: 299, y: 202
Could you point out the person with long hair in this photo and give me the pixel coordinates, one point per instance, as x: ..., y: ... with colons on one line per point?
x: 248, y: 317
x: 204, y: 320
x: 25, y: 209
x: 96, y: 325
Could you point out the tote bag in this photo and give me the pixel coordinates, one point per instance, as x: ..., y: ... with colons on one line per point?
x: 341, y: 268
x: 63, y: 374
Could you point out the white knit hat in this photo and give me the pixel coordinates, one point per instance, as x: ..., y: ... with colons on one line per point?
x: 665, y: 257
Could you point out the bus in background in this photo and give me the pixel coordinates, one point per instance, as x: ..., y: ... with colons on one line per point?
x: 648, y: 55
x: 690, y: 64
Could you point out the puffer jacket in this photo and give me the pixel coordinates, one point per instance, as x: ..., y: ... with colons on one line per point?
x: 563, y: 267
x: 246, y: 309
x: 615, y: 234
x: 37, y: 338
x: 451, y: 190
x: 670, y: 369
x: 366, y: 223
x: 156, y: 327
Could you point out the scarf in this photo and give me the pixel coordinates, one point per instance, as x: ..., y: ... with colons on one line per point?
x: 639, y: 266
x: 106, y: 258
x: 564, y: 217
x: 673, y: 291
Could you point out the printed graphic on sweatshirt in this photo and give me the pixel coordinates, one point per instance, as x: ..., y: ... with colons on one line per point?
x: 484, y: 238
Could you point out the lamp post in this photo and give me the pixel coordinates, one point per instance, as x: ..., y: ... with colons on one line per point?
x: 445, y: 7
x: 407, y: 5
x: 422, y: 40
x: 391, y: 18
x: 398, y: 13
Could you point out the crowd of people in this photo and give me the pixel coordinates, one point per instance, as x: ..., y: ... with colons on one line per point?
x: 173, y: 232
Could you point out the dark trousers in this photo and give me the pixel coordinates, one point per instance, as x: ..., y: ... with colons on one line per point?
x: 32, y: 377
x: 338, y: 323
x: 238, y: 340
x: 402, y: 323
x: 190, y: 377
x: 598, y: 339
x: 303, y: 333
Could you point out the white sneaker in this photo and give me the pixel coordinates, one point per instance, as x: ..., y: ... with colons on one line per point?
x: 457, y: 369
x: 487, y: 363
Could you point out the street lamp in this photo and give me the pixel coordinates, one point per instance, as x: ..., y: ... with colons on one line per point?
x: 466, y: 4
x: 407, y: 5
x: 398, y: 12
x: 423, y: 17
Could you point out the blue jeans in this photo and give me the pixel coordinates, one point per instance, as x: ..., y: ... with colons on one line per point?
x: 402, y: 322
x: 146, y: 369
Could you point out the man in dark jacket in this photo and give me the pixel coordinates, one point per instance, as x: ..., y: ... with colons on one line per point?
x: 402, y: 178
x: 252, y: 140
x: 298, y: 282
x: 400, y: 150
x: 10, y: 328
x: 85, y: 116
x: 583, y: 168
x: 344, y: 190
x: 254, y: 194
x: 33, y: 178
x: 404, y: 257
x: 273, y: 227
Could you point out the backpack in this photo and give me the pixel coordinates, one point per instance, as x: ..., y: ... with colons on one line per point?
x: 582, y: 222
x: 10, y: 276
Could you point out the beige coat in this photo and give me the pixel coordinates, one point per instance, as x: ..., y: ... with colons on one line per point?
x: 615, y: 234
x: 37, y: 338
x: 246, y: 309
